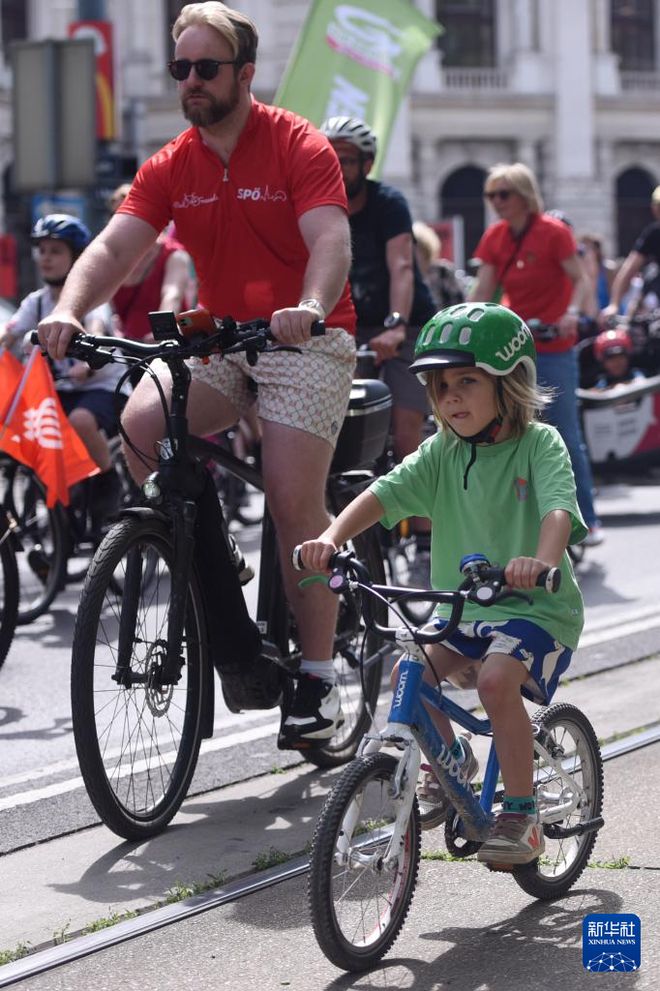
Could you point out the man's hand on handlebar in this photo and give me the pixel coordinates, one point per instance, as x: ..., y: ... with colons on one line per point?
x: 55, y: 332
x: 293, y: 326
x: 387, y: 344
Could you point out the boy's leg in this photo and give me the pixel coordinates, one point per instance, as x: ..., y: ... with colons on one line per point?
x: 517, y: 834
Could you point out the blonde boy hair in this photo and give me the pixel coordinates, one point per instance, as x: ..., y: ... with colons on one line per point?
x: 521, y: 179
x: 518, y: 397
x: 238, y: 30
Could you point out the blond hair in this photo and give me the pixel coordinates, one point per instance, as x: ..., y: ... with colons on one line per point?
x: 427, y: 241
x: 118, y: 196
x: 518, y: 397
x: 521, y: 179
x: 239, y: 31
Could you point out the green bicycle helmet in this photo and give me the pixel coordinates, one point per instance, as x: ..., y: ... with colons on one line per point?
x: 481, y: 335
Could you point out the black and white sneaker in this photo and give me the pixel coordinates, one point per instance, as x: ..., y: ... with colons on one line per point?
x: 312, y: 716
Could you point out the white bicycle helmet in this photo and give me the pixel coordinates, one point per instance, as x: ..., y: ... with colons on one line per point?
x: 353, y: 130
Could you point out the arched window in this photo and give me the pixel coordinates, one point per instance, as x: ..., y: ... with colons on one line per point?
x: 461, y: 195
x: 633, y: 34
x: 633, y: 206
x: 469, y: 35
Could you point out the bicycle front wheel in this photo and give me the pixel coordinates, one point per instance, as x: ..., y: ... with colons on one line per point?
x: 353, y: 645
x: 359, y: 889
x: 137, y: 740
x: 568, y: 736
x: 8, y: 589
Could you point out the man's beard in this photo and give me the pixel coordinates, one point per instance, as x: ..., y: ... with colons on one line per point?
x: 212, y: 111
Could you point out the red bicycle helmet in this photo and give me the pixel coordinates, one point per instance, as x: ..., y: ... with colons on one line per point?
x: 612, y: 342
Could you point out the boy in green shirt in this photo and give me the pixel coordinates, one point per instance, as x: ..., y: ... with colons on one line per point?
x: 493, y: 480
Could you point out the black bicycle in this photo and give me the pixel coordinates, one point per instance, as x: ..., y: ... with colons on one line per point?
x: 162, y: 603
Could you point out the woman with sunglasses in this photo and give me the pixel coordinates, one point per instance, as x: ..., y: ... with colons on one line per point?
x: 530, y: 261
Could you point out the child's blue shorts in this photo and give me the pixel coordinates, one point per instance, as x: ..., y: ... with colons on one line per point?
x: 544, y: 657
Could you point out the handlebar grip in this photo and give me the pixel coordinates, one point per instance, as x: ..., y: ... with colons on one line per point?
x: 318, y: 328
x: 296, y: 558
x: 550, y: 579
x: 34, y: 337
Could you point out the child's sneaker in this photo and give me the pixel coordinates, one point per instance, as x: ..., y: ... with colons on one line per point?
x: 515, y: 838
x: 433, y: 803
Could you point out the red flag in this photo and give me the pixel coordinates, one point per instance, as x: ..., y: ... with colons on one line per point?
x: 37, y: 433
x: 11, y: 373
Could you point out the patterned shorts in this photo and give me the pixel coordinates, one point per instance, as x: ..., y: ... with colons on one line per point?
x: 309, y: 391
x: 544, y: 657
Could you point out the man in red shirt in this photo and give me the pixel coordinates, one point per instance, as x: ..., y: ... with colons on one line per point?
x: 258, y: 200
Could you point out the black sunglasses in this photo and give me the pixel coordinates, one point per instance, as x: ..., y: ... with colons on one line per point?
x: 502, y: 194
x: 206, y: 68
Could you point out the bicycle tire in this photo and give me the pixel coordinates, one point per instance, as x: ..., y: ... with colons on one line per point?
x: 42, y: 541
x: 9, y: 590
x: 400, y: 552
x: 138, y: 746
x: 564, y: 860
x: 355, y: 918
x: 357, y: 706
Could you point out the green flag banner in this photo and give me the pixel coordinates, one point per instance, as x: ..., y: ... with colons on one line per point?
x: 356, y: 59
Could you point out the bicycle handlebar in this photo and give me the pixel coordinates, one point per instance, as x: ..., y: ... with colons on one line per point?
x: 194, y: 334
x: 484, y: 585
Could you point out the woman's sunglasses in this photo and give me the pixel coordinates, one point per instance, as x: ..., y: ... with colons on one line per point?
x: 502, y: 194
x: 206, y: 68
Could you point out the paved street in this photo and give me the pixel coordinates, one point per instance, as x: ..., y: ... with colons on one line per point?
x: 247, y: 804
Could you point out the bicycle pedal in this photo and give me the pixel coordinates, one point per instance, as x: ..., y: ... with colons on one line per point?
x: 500, y: 868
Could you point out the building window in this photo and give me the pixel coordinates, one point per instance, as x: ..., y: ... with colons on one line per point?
x: 462, y: 195
x: 14, y: 22
x: 633, y: 34
x: 633, y: 206
x: 172, y: 11
x: 469, y: 35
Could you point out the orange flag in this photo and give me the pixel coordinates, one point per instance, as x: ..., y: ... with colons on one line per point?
x: 35, y: 430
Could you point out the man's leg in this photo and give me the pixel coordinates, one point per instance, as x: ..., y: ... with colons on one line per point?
x: 295, y: 467
x: 144, y: 422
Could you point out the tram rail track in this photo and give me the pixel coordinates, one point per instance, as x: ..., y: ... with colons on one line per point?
x: 41, y: 961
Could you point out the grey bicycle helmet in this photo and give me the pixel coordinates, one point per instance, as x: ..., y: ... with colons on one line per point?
x: 353, y: 130
x: 62, y: 227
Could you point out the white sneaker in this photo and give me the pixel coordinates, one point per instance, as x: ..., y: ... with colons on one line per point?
x: 595, y: 536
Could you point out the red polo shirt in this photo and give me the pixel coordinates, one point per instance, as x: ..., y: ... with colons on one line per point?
x: 240, y: 222
x: 535, y: 284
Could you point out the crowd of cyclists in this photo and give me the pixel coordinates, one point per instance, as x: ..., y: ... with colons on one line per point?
x: 332, y: 244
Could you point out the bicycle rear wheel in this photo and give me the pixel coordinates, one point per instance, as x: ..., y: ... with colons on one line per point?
x: 358, y: 899
x: 8, y: 589
x: 41, y: 540
x: 569, y: 737
x: 358, y: 702
x: 137, y: 741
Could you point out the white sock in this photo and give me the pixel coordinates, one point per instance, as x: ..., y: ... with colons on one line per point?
x: 319, y: 669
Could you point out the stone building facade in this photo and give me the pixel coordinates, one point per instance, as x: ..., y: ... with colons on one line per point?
x: 571, y: 87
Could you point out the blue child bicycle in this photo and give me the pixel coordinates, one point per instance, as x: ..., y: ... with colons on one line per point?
x: 366, y: 848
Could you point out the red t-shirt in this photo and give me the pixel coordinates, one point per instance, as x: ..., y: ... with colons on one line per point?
x: 240, y: 223
x: 535, y: 284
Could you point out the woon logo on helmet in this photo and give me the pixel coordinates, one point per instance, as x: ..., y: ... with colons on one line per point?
x: 514, y: 345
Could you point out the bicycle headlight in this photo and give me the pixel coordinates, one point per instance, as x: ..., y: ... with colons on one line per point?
x: 151, y: 488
